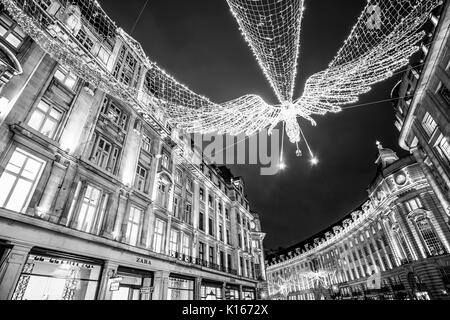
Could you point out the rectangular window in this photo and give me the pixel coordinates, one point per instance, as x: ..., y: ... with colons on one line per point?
x: 210, y: 201
x: 202, y: 194
x: 211, y: 254
x: 176, y: 207
x: 114, y: 113
x: 85, y: 40
x: 444, y: 146
x: 211, y: 226
x: 444, y: 93
x: 228, y: 236
x: 201, y: 251
x: 161, y: 196
x: 229, y: 262
x: 158, y: 236
x: 126, y: 70
x: 11, y: 32
x: 19, y: 179
x: 239, y: 240
x: 105, y: 155
x: 227, y: 213
x: 133, y: 226
x: 186, y: 245
x: 413, y: 204
x: 429, y: 124
x: 220, y: 232
x: 141, y: 178
x: 201, y: 222
x: 65, y: 77
x: 173, y: 245
x: 146, y: 144
x: 187, y: 213
x: 45, y: 119
x: 88, y: 210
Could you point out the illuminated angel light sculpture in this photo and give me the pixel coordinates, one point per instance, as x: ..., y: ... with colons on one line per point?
x: 382, y: 41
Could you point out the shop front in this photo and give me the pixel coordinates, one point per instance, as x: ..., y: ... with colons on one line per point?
x: 49, y: 275
x: 180, y: 288
x: 211, y: 291
x: 131, y: 284
x: 231, y: 292
x: 248, y: 294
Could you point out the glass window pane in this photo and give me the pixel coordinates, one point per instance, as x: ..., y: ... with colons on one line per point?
x: 6, y: 184
x: 31, y: 169
x: 18, y: 197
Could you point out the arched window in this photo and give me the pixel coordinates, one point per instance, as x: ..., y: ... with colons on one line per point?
x: 429, y: 236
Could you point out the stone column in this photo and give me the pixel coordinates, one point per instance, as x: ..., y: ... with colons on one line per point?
x: 130, y: 153
x: 109, y: 270
x: 160, y: 286
x: 121, y: 211
x: 197, y: 288
x: 17, y: 258
x: 63, y: 197
x: 410, y: 239
x: 168, y: 229
x: 45, y: 207
x: 144, y: 240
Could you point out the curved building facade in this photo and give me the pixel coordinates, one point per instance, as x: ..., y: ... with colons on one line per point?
x: 395, y: 246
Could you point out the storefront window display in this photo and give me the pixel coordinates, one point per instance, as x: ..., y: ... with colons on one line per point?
x: 133, y: 285
x: 53, y: 277
x: 248, y: 294
x: 231, y: 293
x: 211, y: 291
x: 180, y: 288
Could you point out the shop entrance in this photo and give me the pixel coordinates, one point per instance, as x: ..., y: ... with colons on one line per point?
x: 133, y: 285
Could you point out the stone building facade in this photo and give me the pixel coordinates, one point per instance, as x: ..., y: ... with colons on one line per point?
x: 423, y: 104
x: 395, y: 246
x: 98, y: 200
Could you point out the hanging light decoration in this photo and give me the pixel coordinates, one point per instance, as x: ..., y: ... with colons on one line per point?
x: 385, y: 36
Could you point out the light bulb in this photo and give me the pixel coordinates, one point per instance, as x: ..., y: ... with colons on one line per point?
x: 314, y: 161
x: 282, y: 166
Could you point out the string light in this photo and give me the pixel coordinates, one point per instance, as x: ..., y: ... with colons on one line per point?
x: 381, y: 42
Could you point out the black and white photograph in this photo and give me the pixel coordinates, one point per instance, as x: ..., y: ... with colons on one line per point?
x: 220, y: 158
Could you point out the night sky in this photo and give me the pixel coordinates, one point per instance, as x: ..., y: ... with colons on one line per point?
x: 199, y: 43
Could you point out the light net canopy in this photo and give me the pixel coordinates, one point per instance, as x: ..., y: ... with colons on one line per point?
x: 385, y: 36
x: 272, y: 29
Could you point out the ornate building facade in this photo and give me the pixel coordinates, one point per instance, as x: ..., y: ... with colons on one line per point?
x: 423, y: 107
x: 395, y: 246
x: 98, y: 200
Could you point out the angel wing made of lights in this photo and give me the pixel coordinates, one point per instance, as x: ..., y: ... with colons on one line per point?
x: 382, y: 41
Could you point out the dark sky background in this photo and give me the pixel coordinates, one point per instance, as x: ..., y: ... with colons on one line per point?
x: 199, y: 43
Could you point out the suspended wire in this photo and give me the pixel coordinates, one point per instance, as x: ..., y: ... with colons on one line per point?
x: 306, y: 142
x: 375, y: 102
x: 139, y: 17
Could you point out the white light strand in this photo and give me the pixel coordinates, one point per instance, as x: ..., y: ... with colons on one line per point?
x: 382, y: 41
x: 272, y: 30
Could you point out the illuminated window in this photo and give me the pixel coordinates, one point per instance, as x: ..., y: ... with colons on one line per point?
x: 88, y: 210
x: 187, y: 213
x: 11, y: 32
x: 105, y: 154
x: 19, y: 179
x: 66, y: 78
x: 141, y: 178
x: 186, y: 245
x: 176, y: 207
x: 444, y: 93
x: 413, y: 204
x: 201, y: 221
x: 146, y: 144
x: 178, y: 177
x: 165, y: 162
x: 158, y: 236
x: 429, y: 124
x: 202, y: 194
x: 189, y: 185
x: 104, y: 55
x: 173, y: 243
x: 134, y: 222
x: 114, y: 113
x: 201, y: 251
x: 430, y: 237
x: 162, y: 194
x: 45, y: 119
x: 444, y: 147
